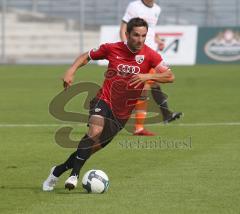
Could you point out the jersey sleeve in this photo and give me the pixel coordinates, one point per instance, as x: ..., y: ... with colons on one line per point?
x: 100, y: 53
x: 155, y: 59
x: 129, y: 13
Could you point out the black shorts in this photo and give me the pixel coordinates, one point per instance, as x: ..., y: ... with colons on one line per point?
x: 112, y: 125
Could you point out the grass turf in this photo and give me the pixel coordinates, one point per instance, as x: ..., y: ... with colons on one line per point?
x: 201, y: 176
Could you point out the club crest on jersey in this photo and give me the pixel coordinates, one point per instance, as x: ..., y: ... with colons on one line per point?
x: 95, y: 49
x: 139, y: 59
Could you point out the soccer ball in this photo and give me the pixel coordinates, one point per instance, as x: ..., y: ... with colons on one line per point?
x: 95, y: 181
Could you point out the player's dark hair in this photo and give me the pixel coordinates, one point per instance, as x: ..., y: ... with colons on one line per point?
x: 136, y: 22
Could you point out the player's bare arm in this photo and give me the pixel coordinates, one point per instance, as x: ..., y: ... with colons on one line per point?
x: 160, y: 42
x: 82, y: 60
x: 123, y: 29
x: 163, y: 74
x: 165, y: 77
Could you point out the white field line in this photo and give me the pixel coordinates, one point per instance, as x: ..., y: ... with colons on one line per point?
x: 30, y: 125
x: 209, y: 124
x: 12, y: 125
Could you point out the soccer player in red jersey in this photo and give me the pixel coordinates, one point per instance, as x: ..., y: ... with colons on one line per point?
x: 128, y: 70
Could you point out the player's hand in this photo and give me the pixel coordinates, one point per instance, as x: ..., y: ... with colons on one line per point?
x: 160, y: 42
x: 161, y: 45
x: 139, y: 79
x: 67, y: 80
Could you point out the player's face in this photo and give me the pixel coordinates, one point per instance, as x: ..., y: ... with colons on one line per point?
x: 136, y: 38
x: 149, y: 2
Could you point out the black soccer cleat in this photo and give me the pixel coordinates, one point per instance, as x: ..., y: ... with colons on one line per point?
x: 69, y: 186
x: 173, y: 116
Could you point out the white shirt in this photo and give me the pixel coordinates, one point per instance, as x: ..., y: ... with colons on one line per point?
x: 149, y: 14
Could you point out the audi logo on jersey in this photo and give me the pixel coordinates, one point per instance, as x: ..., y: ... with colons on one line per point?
x: 128, y: 69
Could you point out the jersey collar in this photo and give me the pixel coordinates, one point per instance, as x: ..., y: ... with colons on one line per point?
x: 125, y: 43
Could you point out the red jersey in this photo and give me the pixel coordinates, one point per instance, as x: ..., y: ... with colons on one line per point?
x: 123, y: 65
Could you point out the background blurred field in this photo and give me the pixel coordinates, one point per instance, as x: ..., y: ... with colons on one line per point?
x: 203, y: 178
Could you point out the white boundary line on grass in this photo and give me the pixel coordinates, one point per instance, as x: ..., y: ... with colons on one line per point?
x: 12, y: 125
x: 209, y: 124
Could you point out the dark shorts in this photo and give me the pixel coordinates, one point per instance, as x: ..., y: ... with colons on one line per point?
x: 112, y: 125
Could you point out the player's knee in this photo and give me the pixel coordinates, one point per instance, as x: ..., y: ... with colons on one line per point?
x: 96, y: 124
x: 95, y: 131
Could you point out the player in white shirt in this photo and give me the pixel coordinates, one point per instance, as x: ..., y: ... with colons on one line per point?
x: 150, y: 11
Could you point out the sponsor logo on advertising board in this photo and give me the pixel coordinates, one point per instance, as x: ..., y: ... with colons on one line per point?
x: 225, y: 46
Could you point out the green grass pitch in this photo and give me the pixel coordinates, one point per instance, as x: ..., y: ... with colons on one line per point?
x: 197, y: 172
